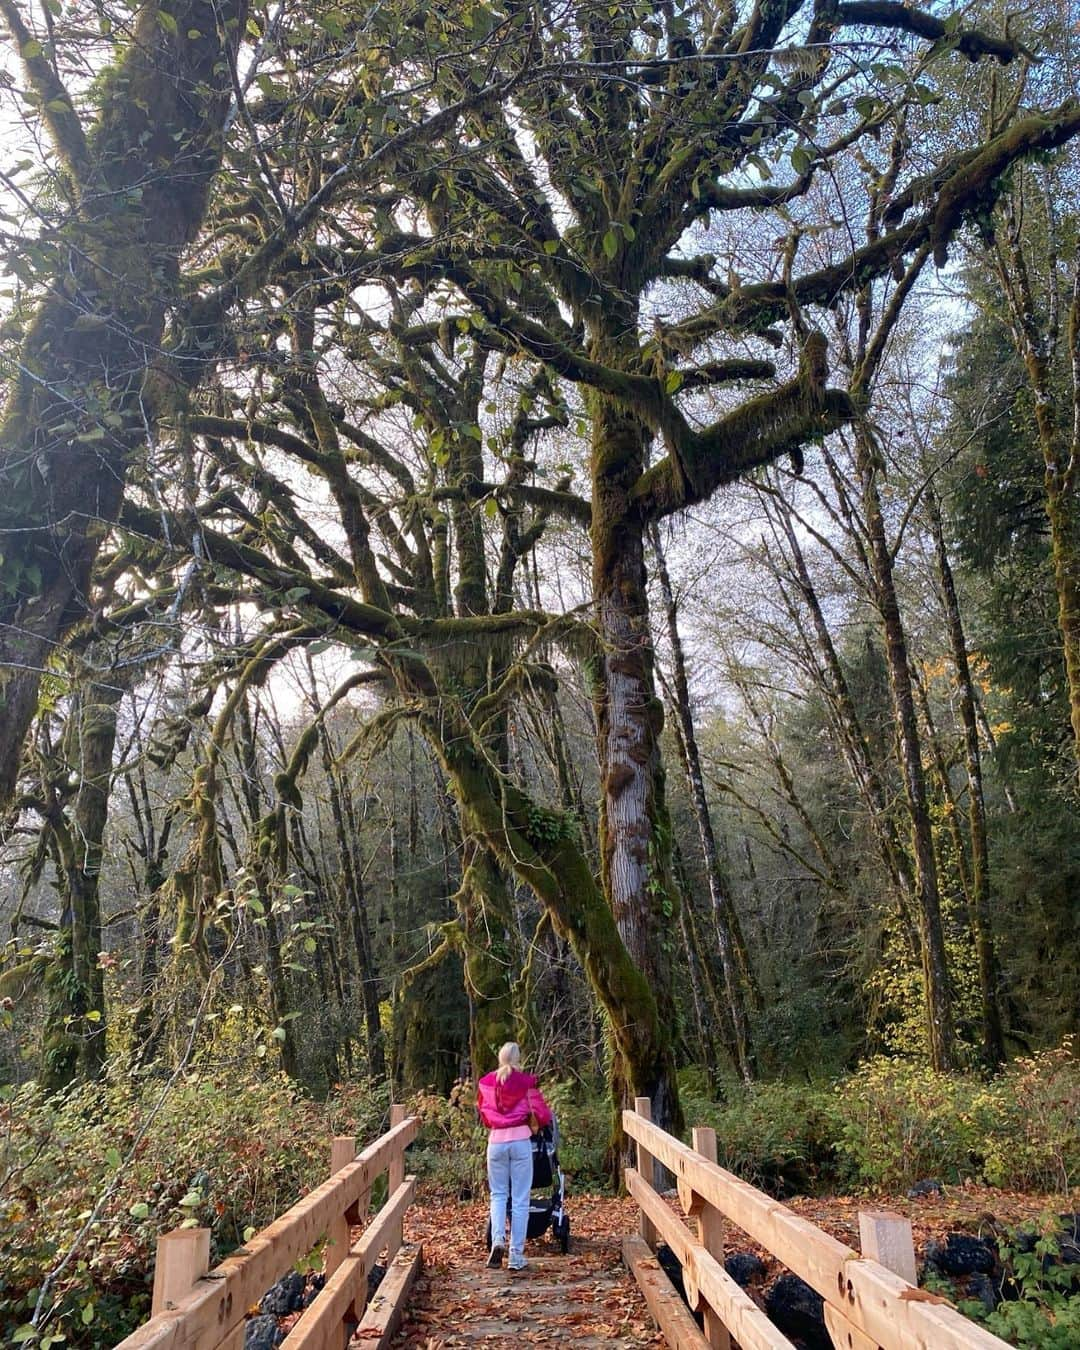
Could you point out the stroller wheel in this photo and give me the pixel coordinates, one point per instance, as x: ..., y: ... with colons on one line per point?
x: 487, y: 1236
x: 562, y: 1233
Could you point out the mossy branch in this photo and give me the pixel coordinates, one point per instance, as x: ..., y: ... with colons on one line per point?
x: 25, y: 978
x: 973, y: 42
x: 55, y: 104
x: 978, y: 184
x: 756, y: 433
x: 453, y: 940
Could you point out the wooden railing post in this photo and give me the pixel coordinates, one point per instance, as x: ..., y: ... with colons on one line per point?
x: 342, y: 1152
x: 710, y: 1226
x: 646, y: 1169
x: 395, y: 1177
x: 183, y: 1258
x: 887, y: 1239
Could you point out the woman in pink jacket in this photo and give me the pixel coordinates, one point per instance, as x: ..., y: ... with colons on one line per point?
x: 512, y: 1107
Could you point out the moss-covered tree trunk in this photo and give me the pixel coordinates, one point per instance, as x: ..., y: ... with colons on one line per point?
x: 1056, y: 396
x: 355, y: 901
x: 84, y: 396
x: 492, y: 948
x: 544, y: 850
x: 75, y: 1045
x: 1063, y: 514
x: 635, y: 831
x: 940, y: 1028
x: 993, y: 1036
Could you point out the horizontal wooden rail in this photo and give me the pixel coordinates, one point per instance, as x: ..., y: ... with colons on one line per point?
x: 703, y: 1273
x: 211, y: 1314
x: 668, y: 1310
x: 342, y: 1299
x: 865, y: 1304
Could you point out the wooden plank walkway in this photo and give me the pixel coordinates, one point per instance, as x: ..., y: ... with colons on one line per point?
x: 586, y: 1298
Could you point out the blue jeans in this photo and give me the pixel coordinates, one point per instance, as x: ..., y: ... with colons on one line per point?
x: 510, y: 1177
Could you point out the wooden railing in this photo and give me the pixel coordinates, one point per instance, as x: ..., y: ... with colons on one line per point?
x: 870, y: 1301
x: 195, y: 1308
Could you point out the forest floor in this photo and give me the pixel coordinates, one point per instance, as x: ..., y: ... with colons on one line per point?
x: 588, y: 1298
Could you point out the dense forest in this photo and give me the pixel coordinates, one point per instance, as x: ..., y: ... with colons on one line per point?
x: 553, y: 522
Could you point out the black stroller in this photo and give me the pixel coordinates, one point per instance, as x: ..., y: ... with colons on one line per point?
x: 546, y: 1210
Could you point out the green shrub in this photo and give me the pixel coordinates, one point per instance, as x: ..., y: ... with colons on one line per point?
x: 1045, y: 1314
x: 899, y: 1122
x: 1035, y: 1107
x: 449, y: 1152
x: 585, y: 1119
x: 779, y: 1136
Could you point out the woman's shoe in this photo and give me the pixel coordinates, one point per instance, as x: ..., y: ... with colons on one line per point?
x: 495, y: 1259
x: 517, y: 1264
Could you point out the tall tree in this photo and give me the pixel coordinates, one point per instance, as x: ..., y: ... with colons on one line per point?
x: 88, y: 382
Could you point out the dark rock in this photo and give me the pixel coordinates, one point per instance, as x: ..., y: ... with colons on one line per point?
x: 287, y: 1296
x: 1069, y: 1241
x: 672, y: 1268
x: 985, y: 1290
x: 201, y: 1181
x: 315, y: 1286
x: 262, y: 1333
x: 744, y: 1268
x: 961, y: 1254
x: 921, y: 1189
x: 799, y: 1312
x: 1068, y: 1248
x: 376, y: 1275
x: 1070, y: 1252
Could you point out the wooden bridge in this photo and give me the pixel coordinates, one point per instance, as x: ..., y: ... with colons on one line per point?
x: 870, y: 1300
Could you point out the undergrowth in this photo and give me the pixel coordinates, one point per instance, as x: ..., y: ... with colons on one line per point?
x: 1042, y: 1307
x: 217, y: 1150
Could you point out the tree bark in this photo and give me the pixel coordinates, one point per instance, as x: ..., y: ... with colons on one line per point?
x: 993, y: 1038
x: 941, y: 1033
x: 78, y: 1015
x: 635, y: 833
x: 85, y: 395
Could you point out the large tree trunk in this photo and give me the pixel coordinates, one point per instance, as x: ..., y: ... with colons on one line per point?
x: 939, y: 1014
x: 979, y: 914
x: 542, y: 848
x: 81, y: 403
x: 635, y: 832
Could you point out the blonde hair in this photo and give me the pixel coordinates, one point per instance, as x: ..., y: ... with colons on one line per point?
x: 509, y: 1060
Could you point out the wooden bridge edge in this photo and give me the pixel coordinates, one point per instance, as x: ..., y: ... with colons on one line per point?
x: 666, y: 1308
x: 383, y: 1314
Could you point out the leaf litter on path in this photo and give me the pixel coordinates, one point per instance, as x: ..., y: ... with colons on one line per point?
x: 585, y: 1297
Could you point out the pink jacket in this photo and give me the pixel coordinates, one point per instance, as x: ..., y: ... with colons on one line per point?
x: 505, y: 1105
